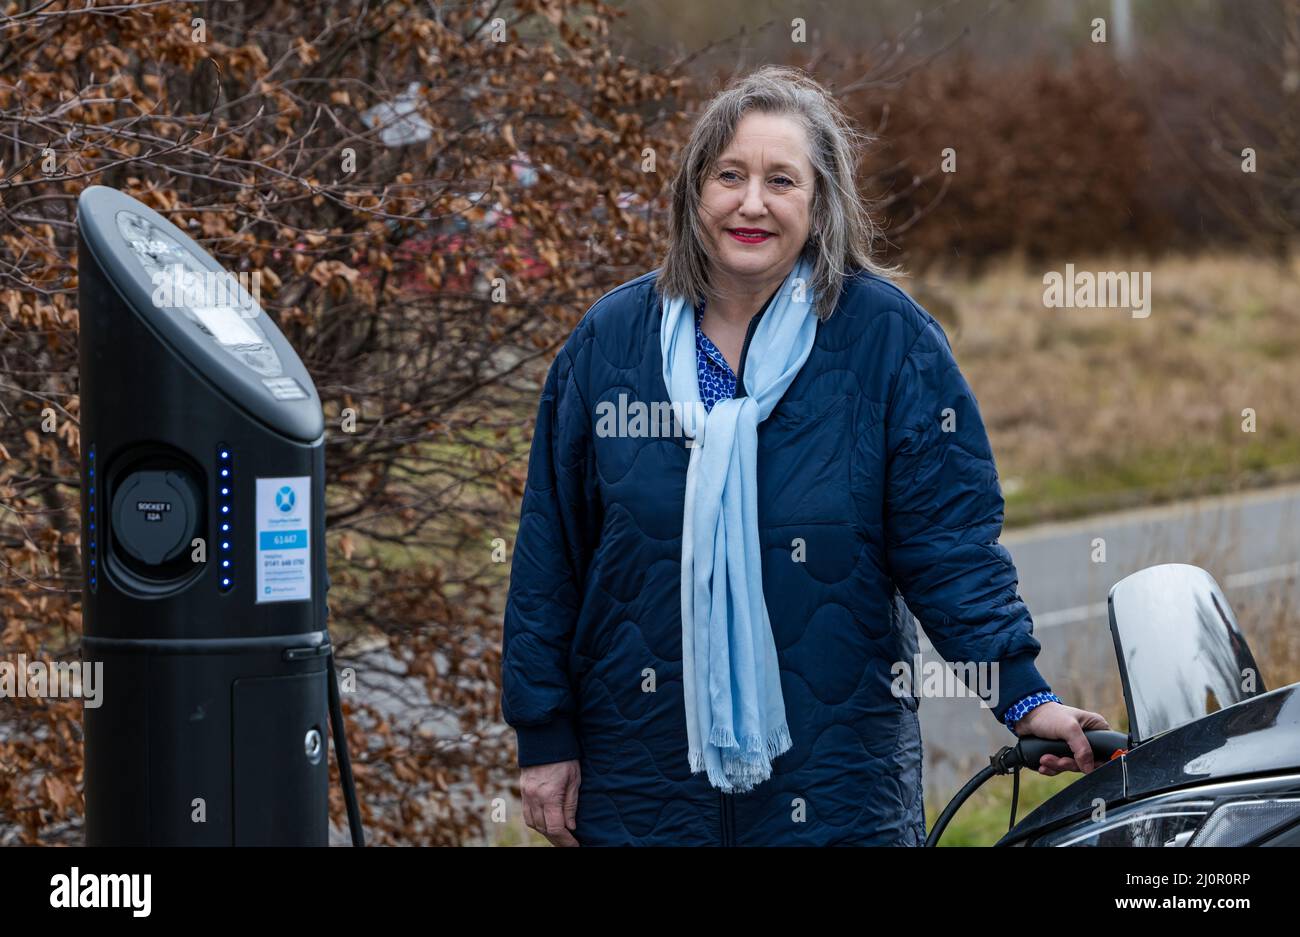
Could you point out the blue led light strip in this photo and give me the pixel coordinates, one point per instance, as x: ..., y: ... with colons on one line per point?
x: 225, y: 515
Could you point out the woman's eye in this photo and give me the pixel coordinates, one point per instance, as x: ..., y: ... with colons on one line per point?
x: 731, y: 175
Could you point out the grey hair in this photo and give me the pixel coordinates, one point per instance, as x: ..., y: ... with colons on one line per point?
x: 841, y: 231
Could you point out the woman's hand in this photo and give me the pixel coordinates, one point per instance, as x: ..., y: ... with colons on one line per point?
x: 550, y: 794
x: 1056, y: 721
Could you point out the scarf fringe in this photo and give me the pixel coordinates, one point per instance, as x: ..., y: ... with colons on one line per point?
x: 742, y: 770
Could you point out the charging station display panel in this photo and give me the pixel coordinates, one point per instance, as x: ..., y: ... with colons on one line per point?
x: 209, y: 316
x: 283, y: 539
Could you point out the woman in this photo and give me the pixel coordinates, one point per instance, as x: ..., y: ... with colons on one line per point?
x: 705, y: 613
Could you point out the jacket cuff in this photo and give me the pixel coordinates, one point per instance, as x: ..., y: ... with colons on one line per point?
x: 1017, y: 678
x: 546, y: 743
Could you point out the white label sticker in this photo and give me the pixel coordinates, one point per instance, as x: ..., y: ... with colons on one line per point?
x: 284, y: 539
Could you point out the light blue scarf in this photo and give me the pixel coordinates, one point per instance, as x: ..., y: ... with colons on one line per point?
x: 735, y: 712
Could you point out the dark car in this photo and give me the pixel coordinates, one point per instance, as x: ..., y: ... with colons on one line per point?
x: 1213, y: 757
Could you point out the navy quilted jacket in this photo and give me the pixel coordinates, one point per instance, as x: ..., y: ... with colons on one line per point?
x: 877, y: 493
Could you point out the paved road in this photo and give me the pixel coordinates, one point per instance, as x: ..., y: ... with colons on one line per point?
x: 1250, y: 543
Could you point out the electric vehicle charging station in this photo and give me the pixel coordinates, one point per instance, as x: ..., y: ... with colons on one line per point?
x: 203, y: 536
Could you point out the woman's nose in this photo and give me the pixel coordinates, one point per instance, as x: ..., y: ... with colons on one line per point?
x: 753, y: 204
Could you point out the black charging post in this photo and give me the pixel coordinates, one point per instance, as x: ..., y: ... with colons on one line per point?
x: 203, y: 535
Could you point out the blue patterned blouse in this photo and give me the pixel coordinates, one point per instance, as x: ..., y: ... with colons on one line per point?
x: 717, y: 380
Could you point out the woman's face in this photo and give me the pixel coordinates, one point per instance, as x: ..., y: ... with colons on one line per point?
x: 756, y: 203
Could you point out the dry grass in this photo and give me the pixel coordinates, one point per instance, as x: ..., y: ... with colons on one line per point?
x: 1092, y: 409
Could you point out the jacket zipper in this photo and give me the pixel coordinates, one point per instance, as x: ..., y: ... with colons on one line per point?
x: 728, y: 819
x: 744, y: 349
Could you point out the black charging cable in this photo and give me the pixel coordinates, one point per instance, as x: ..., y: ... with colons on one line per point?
x: 345, y: 763
x: 1106, y: 744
